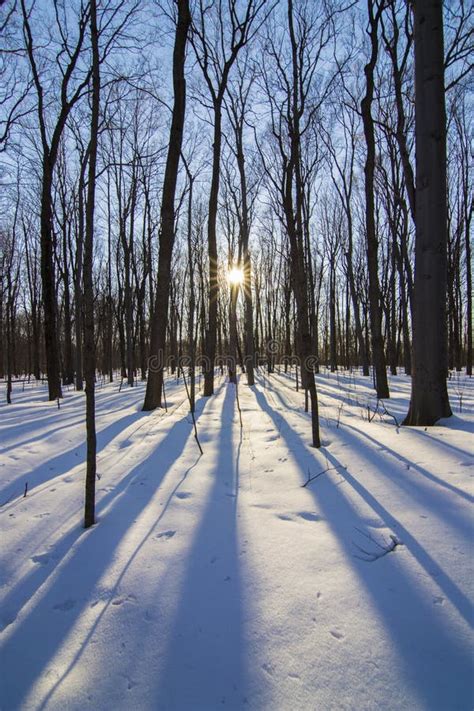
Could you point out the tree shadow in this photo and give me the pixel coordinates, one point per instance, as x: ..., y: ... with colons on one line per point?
x: 64, y: 462
x: 69, y: 588
x: 437, y: 661
x: 402, y: 479
x: 433, y: 440
x: 204, y: 658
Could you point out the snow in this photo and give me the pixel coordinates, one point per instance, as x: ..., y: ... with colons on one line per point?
x: 221, y: 581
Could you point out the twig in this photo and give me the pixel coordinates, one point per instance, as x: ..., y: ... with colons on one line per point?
x: 371, y: 556
x: 164, y: 394
x: 191, y: 410
x: 238, y: 402
x: 312, y: 478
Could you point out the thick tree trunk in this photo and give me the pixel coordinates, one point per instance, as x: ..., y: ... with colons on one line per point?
x: 429, y: 396
x: 49, y: 286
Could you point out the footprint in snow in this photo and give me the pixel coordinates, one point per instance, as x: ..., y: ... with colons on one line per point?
x: 336, y: 634
x: 166, y: 535
x: 184, y: 495
x: 374, y: 523
x: 64, y: 606
x: 294, y: 676
x: 284, y: 517
x: 438, y: 600
x: 309, y: 516
x: 42, y: 559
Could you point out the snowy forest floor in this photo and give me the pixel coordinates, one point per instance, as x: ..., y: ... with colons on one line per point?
x: 221, y: 581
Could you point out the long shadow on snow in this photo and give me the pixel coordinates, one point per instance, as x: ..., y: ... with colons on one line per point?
x: 437, y: 663
x: 416, y: 432
x: 64, y: 462
x: 71, y: 414
x: 402, y: 479
x: 23, y: 663
x: 204, y: 667
x: 407, y: 482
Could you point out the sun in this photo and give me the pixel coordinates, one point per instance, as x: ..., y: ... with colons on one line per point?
x: 235, y: 276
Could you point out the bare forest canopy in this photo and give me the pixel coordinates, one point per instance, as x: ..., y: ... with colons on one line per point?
x: 296, y: 162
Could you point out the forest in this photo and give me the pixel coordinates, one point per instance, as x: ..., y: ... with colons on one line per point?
x: 236, y: 354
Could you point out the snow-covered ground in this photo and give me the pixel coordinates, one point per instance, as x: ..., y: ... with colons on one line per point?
x: 221, y: 581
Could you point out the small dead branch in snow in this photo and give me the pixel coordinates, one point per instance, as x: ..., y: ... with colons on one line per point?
x: 381, y: 409
x: 381, y: 549
x: 15, y: 496
x: 315, y: 476
x: 238, y: 401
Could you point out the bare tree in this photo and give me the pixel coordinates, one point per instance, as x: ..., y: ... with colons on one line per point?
x: 217, y: 38
x: 167, y: 231
x: 378, y: 355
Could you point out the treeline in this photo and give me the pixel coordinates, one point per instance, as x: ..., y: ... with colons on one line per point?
x: 296, y: 163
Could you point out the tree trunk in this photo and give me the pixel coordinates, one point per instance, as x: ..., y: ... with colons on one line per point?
x: 160, y: 314
x: 429, y: 395
x: 49, y: 285
x: 378, y: 354
x: 89, y: 343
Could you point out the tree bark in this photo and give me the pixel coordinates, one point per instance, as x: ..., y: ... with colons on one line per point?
x: 89, y: 343
x: 429, y: 394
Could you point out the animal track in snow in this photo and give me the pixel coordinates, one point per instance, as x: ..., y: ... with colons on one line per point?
x: 309, y: 516
x: 306, y: 515
x: 374, y: 523
x: 65, y: 605
x: 42, y: 559
x: 165, y: 534
x: 268, y: 668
